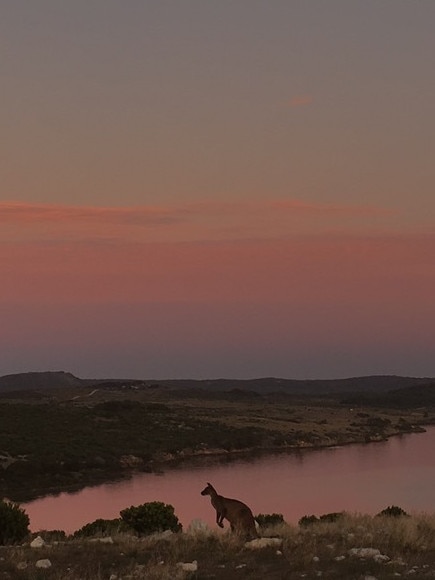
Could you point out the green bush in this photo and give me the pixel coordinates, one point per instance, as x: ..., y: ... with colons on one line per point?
x: 151, y: 517
x: 14, y: 523
x: 269, y: 519
x: 100, y: 527
x: 393, y: 511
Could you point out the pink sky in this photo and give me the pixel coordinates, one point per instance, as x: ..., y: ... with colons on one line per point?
x: 218, y: 189
x: 235, y: 307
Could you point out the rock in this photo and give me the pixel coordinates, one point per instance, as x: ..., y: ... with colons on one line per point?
x: 398, y: 562
x: 38, y: 542
x: 43, y: 564
x: 105, y: 540
x: 316, y: 559
x: 22, y: 565
x: 364, y: 552
x: 381, y: 558
x: 263, y: 543
x: 278, y: 553
x: 240, y: 566
x: 188, y: 566
x: 339, y: 558
x: 130, y: 461
x: 163, y: 535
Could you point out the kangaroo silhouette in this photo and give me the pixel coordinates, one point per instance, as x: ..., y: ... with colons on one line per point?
x: 236, y: 512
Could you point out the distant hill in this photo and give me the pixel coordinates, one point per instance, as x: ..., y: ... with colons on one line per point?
x: 371, y: 384
x: 420, y: 395
x: 39, y: 380
x: 368, y: 385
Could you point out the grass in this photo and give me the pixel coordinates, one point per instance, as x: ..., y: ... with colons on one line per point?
x: 319, y: 550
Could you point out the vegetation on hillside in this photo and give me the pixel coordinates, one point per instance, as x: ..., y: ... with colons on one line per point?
x: 67, y: 439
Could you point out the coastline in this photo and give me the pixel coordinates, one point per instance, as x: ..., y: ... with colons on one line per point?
x: 189, y: 458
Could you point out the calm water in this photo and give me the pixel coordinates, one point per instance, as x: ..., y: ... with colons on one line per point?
x: 356, y: 478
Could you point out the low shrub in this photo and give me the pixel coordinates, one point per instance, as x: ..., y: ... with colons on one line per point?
x: 393, y: 511
x: 100, y: 527
x: 14, y: 523
x: 151, y: 517
x: 329, y: 518
x: 332, y: 517
x: 307, y: 520
x: 269, y: 519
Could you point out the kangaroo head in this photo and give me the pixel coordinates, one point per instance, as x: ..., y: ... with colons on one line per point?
x: 208, y: 489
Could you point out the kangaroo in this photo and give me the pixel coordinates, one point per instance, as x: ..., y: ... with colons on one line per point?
x: 236, y: 512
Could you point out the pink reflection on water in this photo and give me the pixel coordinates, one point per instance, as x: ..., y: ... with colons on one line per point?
x: 357, y: 478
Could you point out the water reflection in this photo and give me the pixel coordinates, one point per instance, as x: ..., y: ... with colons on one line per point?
x: 357, y: 478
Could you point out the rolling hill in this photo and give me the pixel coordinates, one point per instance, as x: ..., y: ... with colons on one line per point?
x: 377, y: 384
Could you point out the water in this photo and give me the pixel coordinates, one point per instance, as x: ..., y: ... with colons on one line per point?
x: 356, y: 478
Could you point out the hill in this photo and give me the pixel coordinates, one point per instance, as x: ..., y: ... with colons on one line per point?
x: 415, y: 396
x: 378, y: 384
x: 370, y: 384
x: 39, y: 380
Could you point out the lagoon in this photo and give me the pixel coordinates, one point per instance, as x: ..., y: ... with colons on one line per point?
x: 356, y: 478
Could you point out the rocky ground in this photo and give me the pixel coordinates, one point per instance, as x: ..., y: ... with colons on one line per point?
x: 353, y: 547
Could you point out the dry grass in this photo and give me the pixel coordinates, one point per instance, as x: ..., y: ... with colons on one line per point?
x: 319, y: 550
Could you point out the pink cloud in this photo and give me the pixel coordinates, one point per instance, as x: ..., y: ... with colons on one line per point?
x: 20, y: 212
x: 11, y: 212
x: 300, y: 101
x: 204, y: 220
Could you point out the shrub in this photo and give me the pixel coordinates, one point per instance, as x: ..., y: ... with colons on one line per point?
x: 329, y: 518
x: 307, y: 520
x: 332, y: 517
x: 14, y: 523
x: 151, y: 517
x: 269, y: 519
x: 393, y: 511
x: 100, y: 527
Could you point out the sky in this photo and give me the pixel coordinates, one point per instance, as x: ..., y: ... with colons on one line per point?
x: 198, y: 189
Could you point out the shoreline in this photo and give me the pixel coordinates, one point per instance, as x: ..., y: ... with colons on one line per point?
x: 185, y: 460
